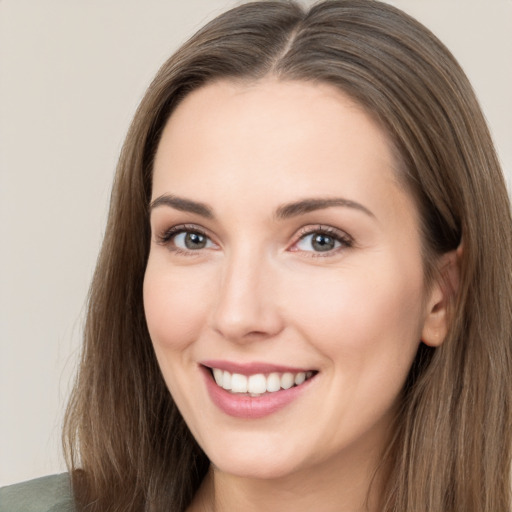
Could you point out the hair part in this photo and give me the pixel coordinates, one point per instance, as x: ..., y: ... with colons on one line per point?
x: 127, y: 445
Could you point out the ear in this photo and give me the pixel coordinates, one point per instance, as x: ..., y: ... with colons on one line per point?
x: 441, y: 296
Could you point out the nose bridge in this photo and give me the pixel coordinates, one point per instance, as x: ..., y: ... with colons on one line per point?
x: 245, y: 307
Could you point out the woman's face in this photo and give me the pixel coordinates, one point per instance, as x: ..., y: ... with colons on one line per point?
x: 284, y: 253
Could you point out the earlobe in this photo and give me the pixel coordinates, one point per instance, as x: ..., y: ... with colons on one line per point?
x: 442, y: 294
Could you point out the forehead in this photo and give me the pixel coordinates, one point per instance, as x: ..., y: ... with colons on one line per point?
x: 274, y: 139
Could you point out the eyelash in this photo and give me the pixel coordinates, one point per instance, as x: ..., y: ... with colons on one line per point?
x: 166, y: 237
x: 345, y: 240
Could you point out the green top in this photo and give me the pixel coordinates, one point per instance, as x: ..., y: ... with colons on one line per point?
x: 46, y: 494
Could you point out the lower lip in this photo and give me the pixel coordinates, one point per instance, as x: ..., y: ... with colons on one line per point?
x: 248, y: 407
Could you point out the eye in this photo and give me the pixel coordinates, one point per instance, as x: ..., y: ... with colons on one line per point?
x: 183, y: 239
x: 322, y: 240
x: 319, y: 242
x: 191, y: 240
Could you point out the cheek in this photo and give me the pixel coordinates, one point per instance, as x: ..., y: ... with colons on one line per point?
x: 361, y: 315
x: 175, y: 303
x: 367, y: 328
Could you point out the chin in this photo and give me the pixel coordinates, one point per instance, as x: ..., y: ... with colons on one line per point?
x: 258, y: 460
x: 255, y: 469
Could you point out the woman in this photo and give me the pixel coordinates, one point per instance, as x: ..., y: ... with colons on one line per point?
x: 303, y: 297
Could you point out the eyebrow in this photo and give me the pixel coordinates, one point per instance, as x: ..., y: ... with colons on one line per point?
x: 283, y: 212
x: 182, y: 204
x: 309, y: 205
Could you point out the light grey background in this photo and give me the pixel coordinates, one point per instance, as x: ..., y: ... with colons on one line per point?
x: 71, y: 75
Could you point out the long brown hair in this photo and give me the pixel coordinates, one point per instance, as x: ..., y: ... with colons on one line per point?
x: 127, y: 445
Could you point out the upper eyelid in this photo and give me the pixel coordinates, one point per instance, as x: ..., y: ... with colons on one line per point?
x: 167, y: 233
x: 322, y: 228
x: 345, y: 239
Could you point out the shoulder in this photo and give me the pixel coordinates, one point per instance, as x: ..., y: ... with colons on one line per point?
x: 46, y: 494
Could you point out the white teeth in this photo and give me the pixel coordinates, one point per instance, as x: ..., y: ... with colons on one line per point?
x: 217, y: 375
x: 226, y: 380
x: 287, y: 380
x: 238, y: 383
x: 257, y: 384
x: 273, y: 382
x: 300, y: 378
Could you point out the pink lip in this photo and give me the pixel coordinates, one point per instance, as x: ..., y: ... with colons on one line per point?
x: 245, y: 406
x: 251, y: 368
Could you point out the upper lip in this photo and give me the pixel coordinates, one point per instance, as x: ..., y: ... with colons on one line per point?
x: 252, y: 368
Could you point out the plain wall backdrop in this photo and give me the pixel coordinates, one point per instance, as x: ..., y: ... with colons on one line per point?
x: 71, y: 75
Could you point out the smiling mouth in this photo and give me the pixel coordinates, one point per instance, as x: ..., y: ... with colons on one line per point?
x: 259, y: 384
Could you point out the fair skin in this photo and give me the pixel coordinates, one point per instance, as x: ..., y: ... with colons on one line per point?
x: 250, y: 281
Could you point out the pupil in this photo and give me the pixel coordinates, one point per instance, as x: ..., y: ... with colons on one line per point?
x: 323, y: 242
x: 195, y: 241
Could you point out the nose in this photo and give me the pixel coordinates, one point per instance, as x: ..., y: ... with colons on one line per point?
x: 246, y: 308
